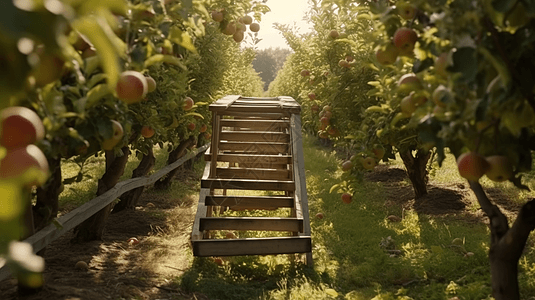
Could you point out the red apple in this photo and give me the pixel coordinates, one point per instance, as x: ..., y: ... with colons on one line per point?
x: 203, y: 128
x: 147, y: 132
x: 246, y: 20
x: 217, y: 16
x: 347, y: 165
x: 20, y: 126
x: 20, y: 160
x: 312, y: 96
x: 188, y: 103
x: 131, y: 87
x: 133, y: 241
x: 405, y: 38
x: 191, y: 126
x: 472, y: 166
x: 254, y: 27
x: 500, y: 168
x: 207, y: 135
x: 409, y: 83
x: 324, y: 120
x: 315, y: 108
x: 230, y: 29
x: 238, y: 36
x: 408, y: 107
x: 378, y: 152
x: 319, y: 216
x: 305, y: 73
x: 230, y: 235
x: 344, y: 64
x: 333, y: 131
x: 347, y: 198
x: 334, y: 34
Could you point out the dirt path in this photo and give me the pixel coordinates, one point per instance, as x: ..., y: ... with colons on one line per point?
x: 118, y: 269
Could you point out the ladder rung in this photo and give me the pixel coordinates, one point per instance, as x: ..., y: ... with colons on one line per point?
x: 248, y: 184
x: 253, y: 173
x: 249, y: 202
x: 255, y: 147
x: 254, y: 136
x: 254, y: 158
x: 252, y: 246
x: 252, y: 223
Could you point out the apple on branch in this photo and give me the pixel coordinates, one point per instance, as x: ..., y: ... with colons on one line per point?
x: 500, y: 169
x: 472, y: 166
x: 117, y: 136
x: 405, y: 39
x: 131, y: 87
x: 20, y: 126
x: 388, y: 55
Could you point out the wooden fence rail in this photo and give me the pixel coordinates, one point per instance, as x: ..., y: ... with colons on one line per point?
x: 72, y: 219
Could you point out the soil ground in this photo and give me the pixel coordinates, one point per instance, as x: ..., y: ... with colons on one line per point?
x: 162, y: 224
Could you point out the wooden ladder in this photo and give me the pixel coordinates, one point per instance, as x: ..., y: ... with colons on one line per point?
x: 256, y: 146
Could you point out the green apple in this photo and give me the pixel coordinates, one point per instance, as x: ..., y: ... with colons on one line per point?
x: 406, y: 11
x: 442, y: 96
x: 388, y: 55
x: 118, y: 132
x: 408, y: 107
x: 500, y: 168
x: 409, y: 83
x: 369, y: 163
x: 347, y: 165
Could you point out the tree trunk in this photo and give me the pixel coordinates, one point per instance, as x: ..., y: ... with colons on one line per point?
x: 417, y: 170
x: 506, y: 244
x: 130, y: 198
x: 93, y: 228
x: 28, y: 229
x: 165, y: 182
x: 46, y: 206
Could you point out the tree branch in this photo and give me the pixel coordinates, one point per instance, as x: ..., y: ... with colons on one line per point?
x: 498, y: 222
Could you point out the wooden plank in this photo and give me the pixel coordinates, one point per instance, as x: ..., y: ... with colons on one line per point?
x: 263, y: 166
x: 223, y: 103
x: 255, y: 136
x: 261, y: 108
x: 254, y: 173
x: 248, y: 184
x: 75, y: 217
x: 251, y: 202
x: 259, y: 115
x: 299, y: 177
x: 252, y: 158
x: 264, y: 125
x: 258, y: 246
x: 252, y: 223
x: 196, y: 232
x: 216, y: 132
x: 255, y: 147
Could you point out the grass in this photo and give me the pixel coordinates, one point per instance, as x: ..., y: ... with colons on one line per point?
x: 350, y: 245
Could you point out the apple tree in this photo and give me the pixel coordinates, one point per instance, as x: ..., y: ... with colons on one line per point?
x: 472, y: 62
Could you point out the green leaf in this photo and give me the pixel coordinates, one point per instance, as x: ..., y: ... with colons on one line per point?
x: 503, y: 5
x: 99, y: 33
x: 465, y: 62
x: 334, y: 187
x: 181, y: 38
x: 161, y: 58
x: 97, y: 93
x: 194, y: 114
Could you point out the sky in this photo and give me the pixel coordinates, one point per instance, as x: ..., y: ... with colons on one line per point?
x: 288, y: 12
